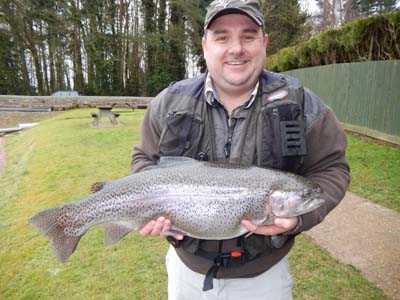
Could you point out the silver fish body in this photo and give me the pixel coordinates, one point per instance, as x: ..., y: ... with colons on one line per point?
x: 203, y: 200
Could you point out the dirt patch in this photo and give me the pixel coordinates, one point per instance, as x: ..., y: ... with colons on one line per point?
x: 372, y: 140
x: 13, y: 118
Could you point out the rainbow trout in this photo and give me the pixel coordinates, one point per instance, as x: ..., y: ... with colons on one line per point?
x: 203, y: 200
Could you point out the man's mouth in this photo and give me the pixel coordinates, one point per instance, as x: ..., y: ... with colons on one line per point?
x: 235, y: 63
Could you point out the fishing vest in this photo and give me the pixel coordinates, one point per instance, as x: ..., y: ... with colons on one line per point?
x: 280, y: 144
x: 278, y: 110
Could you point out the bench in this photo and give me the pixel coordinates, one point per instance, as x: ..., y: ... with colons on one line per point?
x: 104, y: 112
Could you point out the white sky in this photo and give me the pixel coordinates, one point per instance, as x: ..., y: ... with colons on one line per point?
x: 311, y: 7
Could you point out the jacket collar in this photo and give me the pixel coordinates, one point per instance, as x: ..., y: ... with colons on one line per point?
x: 212, y: 96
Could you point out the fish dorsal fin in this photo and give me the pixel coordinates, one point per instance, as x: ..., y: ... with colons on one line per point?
x: 229, y: 165
x: 97, y: 186
x: 173, y: 161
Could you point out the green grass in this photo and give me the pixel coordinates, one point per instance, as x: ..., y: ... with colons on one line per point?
x: 375, y: 171
x: 319, y: 277
x: 56, y: 162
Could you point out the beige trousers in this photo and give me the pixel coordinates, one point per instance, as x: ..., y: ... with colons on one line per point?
x: 184, y: 284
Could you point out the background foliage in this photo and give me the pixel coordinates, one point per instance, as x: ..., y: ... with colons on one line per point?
x: 137, y: 47
x: 285, y: 24
x: 114, y: 47
x: 364, y: 39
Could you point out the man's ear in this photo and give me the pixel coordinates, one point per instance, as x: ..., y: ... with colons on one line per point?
x: 266, y: 40
x: 204, y: 45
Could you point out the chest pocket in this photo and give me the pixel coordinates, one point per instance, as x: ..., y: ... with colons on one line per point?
x: 181, y: 135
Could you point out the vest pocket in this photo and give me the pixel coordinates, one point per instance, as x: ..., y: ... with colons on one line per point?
x: 281, y: 138
x: 182, y: 134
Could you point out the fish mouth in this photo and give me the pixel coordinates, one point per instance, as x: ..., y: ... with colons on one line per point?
x: 286, y: 204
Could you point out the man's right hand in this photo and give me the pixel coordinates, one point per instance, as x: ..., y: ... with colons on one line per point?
x: 157, y: 227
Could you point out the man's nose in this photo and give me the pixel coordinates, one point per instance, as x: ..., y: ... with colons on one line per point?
x: 236, y: 46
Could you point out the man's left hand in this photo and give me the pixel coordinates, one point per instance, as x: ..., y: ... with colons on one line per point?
x: 280, y: 225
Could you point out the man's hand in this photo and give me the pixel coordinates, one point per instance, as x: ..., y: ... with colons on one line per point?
x: 280, y: 225
x: 157, y: 227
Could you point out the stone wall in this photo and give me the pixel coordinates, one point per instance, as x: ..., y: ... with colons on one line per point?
x: 70, y: 102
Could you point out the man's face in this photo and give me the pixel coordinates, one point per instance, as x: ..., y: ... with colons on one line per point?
x: 234, y: 50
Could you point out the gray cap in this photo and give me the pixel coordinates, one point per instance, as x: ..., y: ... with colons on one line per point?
x: 218, y: 8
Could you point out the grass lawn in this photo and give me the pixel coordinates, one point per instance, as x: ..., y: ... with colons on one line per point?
x: 56, y: 162
x: 375, y: 171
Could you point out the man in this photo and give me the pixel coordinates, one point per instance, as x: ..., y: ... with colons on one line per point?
x: 238, y: 113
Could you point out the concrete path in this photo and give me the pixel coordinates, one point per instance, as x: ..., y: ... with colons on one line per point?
x: 367, y: 236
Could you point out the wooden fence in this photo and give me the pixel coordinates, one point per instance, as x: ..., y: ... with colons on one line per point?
x: 365, y: 96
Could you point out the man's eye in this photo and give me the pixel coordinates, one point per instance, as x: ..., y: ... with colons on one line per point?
x: 222, y: 38
x: 248, y: 38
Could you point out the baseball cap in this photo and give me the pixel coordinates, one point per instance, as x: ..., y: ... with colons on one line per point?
x: 218, y: 8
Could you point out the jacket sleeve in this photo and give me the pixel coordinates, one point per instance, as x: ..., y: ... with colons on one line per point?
x: 146, y: 153
x: 325, y: 164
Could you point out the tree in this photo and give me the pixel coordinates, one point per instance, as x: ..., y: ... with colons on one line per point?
x: 10, y: 60
x: 335, y: 13
x: 76, y: 43
x: 368, y: 7
x: 331, y: 14
x: 9, y: 65
x: 133, y: 57
x: 151, y: 40
x: 100, y: 47
x: 170, y: 44
x: 284, y: 23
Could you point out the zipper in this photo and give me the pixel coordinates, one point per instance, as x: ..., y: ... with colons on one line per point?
x: 231, y: 128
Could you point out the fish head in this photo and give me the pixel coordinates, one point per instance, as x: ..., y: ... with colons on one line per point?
x: 291, y: 203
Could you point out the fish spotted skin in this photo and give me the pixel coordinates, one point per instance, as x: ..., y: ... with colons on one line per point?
x: 203, y: 200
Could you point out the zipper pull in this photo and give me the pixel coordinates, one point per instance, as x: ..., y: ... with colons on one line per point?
x: 227, y: 148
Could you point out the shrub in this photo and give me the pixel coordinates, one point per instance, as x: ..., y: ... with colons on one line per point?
x: 363, y: 39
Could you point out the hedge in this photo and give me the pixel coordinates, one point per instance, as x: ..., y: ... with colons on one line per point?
x: 363, y: 39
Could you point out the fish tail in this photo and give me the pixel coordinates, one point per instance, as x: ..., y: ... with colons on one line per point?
x: 46, y: 222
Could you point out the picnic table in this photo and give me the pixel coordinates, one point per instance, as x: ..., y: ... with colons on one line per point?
x: 104, y: 111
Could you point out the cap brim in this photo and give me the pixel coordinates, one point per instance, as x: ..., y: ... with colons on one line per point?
x: 228, y: 11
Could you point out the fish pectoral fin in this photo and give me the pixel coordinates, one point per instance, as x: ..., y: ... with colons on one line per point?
x: 174, y: 231
x: 267, y: 220
x: 115, y: 231
x: 248, y: 234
